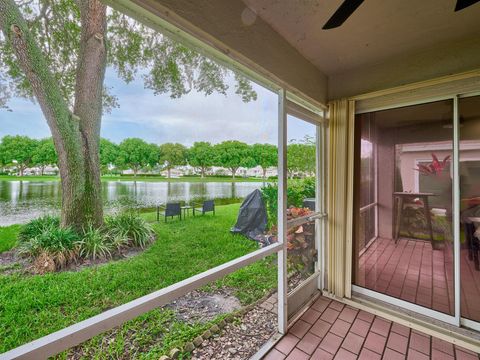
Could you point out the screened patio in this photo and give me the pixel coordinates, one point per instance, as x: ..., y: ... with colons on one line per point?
x: 386, y: 56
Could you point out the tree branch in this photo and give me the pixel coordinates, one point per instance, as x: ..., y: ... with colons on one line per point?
x: 34, y: 65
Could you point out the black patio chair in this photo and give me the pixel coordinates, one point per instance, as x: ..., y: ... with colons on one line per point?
x: 207, y: 206
x: 171, y: 209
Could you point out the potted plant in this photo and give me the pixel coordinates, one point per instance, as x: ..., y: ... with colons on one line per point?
x: 443, y: 184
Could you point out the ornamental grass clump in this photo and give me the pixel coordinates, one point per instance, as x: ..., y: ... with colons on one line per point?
x: 38, y: 226
x: 52, y: 247
x: 95, y: 244
x: 129, y: 228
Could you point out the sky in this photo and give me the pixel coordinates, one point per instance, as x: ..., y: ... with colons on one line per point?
x: 159, y: 118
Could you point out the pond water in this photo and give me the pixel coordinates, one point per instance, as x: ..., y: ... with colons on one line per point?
x: 21, y: 201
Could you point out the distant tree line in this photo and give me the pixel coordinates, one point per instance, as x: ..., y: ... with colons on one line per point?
x: 137, y: 155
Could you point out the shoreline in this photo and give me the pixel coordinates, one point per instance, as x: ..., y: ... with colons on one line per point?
x: 35, y: 178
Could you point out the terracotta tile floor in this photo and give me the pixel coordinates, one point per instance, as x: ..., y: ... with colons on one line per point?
x: 411, y: 270
x: 331, y: 330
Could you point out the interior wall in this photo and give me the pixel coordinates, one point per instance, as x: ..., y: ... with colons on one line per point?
x: 440, y: 60
x: 233, y: 28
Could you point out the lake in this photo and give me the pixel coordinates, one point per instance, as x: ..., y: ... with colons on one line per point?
x: 21, y: 201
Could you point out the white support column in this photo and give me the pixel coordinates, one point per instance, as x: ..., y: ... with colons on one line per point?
x: 324, y: 147
x: 319, y: 195
x: 456, y: 209
x: 282, y: 216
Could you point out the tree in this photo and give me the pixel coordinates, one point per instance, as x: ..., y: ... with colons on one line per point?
x: 57, y: 52
x: 301, y: 156
x: 201, y: 155
x: 136, y: 154
x: 18, y: 150
x: 109, y: 153
x: 265, y: 155
x: 44, y: 154
x: 233, y: 154
x: 172, y: 155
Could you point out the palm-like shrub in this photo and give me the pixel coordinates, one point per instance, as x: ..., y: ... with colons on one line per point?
x: 94, y: 244
x: 130, y: 228
x: 52, y: 249
x: 38, y: 226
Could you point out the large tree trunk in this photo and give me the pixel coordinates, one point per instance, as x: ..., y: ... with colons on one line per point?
x: 91, y: 68
x: 76, y: 136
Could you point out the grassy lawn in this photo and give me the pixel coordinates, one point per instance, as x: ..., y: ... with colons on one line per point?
x: 33, y: 306
x: 138, y: 178
x: 8, y: 237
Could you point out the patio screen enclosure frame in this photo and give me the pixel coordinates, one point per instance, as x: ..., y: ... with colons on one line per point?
x: 290, y: 101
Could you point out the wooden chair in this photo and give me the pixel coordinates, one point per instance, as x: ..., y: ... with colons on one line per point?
x: 207, y: 206
x: 171, y: 209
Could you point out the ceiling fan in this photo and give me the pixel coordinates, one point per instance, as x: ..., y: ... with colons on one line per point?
x: 348, y: 7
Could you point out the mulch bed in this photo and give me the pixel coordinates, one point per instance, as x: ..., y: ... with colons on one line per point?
x: 11, y: 262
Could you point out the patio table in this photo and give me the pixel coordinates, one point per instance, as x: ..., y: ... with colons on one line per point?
x: 186, y: 210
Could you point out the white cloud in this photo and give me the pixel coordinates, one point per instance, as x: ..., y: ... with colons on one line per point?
x: 159, y: 119
x: 195, y: 117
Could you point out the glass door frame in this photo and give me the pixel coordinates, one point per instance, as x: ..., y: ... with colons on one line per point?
x: 298, y: 297
x: 472, y: 324
x: 456, y: 318
x: 373, y: 204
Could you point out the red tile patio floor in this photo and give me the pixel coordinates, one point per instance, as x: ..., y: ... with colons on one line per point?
x: 331, y: 330
x: 412, y: 271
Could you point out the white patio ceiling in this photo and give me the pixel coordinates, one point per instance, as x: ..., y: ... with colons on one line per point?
x: 377, y: 31
x: 383, y: 44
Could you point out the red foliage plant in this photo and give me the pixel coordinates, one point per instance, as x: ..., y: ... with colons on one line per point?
x: 435, y: 167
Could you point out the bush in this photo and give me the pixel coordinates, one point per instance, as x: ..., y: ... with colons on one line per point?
x: 95, y: 244
x: 130, y: 228
x: 297, y: 191
x: 38, y: 226
x: 52, y: 247
x: 55, y: 247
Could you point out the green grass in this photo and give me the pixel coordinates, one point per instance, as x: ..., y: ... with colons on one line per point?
x: 138, y: 178
x: 8, y: 237
x: 34, y: 306
x: 147, y: 337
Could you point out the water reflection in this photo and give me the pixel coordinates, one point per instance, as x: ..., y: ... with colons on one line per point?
x: 21, y: 201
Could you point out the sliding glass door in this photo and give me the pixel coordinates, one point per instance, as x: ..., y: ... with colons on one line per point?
x: 469, y: 175
x: 417, y: 208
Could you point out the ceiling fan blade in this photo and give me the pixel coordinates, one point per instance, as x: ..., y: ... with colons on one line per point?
x: 343, y: 13
x: 462, y: 4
